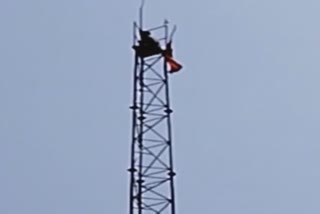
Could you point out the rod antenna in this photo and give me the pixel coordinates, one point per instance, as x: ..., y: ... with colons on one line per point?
x: 141, y: 14
x: 172, y: 33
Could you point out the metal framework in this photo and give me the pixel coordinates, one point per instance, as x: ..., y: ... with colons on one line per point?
x: 151, y: 170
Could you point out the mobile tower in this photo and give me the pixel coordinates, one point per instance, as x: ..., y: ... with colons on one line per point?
x: 151, y: 169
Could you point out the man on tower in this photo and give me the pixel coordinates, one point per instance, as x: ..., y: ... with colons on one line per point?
x: 148, y: 46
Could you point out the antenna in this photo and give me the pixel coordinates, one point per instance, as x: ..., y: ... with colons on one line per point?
x: 172, y: 33
x: 141, y: 14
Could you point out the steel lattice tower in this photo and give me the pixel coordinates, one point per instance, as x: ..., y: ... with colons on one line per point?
x: 151, y: 170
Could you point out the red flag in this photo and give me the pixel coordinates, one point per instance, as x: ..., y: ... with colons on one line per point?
x: 174, y: 65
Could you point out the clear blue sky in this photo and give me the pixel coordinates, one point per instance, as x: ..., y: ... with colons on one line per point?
x: 247, y: 109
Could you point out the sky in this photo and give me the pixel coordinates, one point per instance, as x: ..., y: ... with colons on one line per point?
x: 246, y: 105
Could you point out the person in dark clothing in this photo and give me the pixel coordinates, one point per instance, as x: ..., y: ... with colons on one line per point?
x: 148, y: 46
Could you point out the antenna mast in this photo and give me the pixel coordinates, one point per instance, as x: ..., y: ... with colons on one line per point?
x: 141, y: 14
x: 151, y: 162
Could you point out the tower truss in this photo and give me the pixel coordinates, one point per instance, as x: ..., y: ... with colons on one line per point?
x: 151, y: 170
